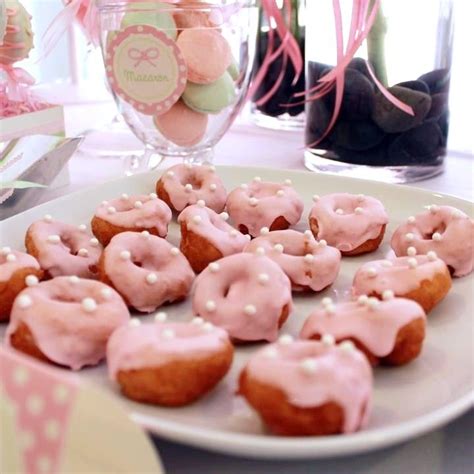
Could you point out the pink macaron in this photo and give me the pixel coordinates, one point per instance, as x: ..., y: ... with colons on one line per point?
x: 207, y: 54
x: 182, y: 125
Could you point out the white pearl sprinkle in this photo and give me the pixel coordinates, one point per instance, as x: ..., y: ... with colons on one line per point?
x: 253, y: 201
x: 328, y: 340
x: 106, y: 293
x: 197, y: 219
x: 264, y: 231
x: 411, y: 251
x: 388, y: 295
x: 161, y: 317
x: 125, y: 255
x: 308, y: 366
x: 31, y: 280
x: 412, y: 262
x: 11, y: 257
x: 5, y: 250
x: 257, y: 179
x: 248, y: 237
x: 82, y: 227
x: 188, y: 187
x: 233, y: 233
x: 145, y: 233
x: 94, y: 242
x: 137, y: 204
x: 278, y: 248
x: 362, y: 300
x: 411, y: 219
x: 213, y: 187
x: 54, y: 239
x: 263, y: 278
x: 373, y: 302
x: 153, y: 196
x: 322, y: 243
x: 244, y: 186
x: 308, y: 234
x: 436, y: 237
x: 170, y: 173
x: 309, y: 258
x: 250, y: 309
x: 124, y: 196
x: 339, y: 211
x: 270, y: 353
x: 409, y: 236
x: 197, y: 320
x: 386, y: 263
x: 432, y: 256
x: 212, y: 168
x: 188, y: 165
x: 168, y: 334
x: 280, y: 193
x: 358, y: 210
x: 104, y: 203
x: 371, y: 272
x: 74, y: 279
x: 175, y: 251
x: 260, y: 251
x: 285, y: 339
x: 330, y: 309
x: 326, y: 301
x: 24, y: 301
x: 83, y: 253
x: 210, y: 306
x: 134, y: 322
x: 201, y: 203
x: 224, y: 216
x: 214, y: 267
x: 111, y: 210
x: 208, y: 326
x: 316, y: 197
x: 151, y: 278
x: 434, y: 209
x: 288, y: 182
x: 89, y: 305
x: 360, y: 197
x: 346, y: 346
x: 457, y: 213
x: 48, y: 218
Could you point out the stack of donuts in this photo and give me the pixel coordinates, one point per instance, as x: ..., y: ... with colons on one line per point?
x: 68, y: 300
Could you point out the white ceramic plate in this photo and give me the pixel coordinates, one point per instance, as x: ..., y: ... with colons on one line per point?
x: 408, y: 401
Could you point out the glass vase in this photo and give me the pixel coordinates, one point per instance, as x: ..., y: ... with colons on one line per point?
x: 409, y: 51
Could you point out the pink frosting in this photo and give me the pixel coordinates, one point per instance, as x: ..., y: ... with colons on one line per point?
x: 214, y: 228
x: 206, y: 185
x: 244, y: 294
x: 346, y: 221
x: 374, y: 325
x: 70, y: 318
x: 307, y: 263
x: 154, y: 345
x: 10, y: 265
x: 142, y: 212
x: 259, y: 203
x: 146, y: 270
x: 442, y: 229
x: 76, y: 253
x: 311, y: 374
x: 400, y: 275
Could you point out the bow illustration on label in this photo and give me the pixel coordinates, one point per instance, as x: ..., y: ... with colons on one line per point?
x: 147, y: 55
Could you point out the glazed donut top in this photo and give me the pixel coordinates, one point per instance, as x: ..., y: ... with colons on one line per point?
x: 370, y: 321
x: 259, y: 203
x: 313, y: 373
x: 306, y: 261
x: 138, y: 346
x: 401, y: 275
x: 240, y: 287
x: 144, y: 211
x: 213, y: 227
x: 145, y: 266
x: 70, y: 318
x: 186, y: 184
x: 346, y: 221
x: 11, y: 261
x: 445, y: 230
x: 64, y: 249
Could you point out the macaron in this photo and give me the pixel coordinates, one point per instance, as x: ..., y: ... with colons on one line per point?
x: 206, y: 52
x: 233, y: 70
x: 182, y: 125
x: 152, y: 14
x: 210, y: 98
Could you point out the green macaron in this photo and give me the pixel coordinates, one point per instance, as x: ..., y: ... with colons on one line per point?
x: 210, y: 98
x: 233, y: 70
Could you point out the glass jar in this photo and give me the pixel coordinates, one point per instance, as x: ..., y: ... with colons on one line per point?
x: 409, y: 51
x: 275, y: 113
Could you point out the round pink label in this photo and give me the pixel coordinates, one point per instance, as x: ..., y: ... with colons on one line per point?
x: 146, y: 69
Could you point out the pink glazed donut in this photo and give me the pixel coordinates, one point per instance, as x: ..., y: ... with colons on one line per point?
x: 63, y: 249
x: 354, y: 224
x: 264, y: 204
x: 185, y: 184
x: 442, y: 229
x: 309, y: 264
x: 246, y: 294
x: 146, y: 270
x: 131, y: 213
x: 206, y: 236
x: 66, y: 321
x: 309, y: 388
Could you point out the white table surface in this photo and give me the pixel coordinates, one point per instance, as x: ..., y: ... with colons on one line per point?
x: 447, y: 450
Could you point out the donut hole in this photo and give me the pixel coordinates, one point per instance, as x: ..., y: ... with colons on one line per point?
x: 439, y: 228
x: 194, y: 181
x: 68, y: 242
x: 65, y: 298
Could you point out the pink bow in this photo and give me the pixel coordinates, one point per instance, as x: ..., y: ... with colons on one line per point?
x: 147, y: 55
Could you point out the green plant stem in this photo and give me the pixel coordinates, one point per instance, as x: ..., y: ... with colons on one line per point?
x: 376, y: 46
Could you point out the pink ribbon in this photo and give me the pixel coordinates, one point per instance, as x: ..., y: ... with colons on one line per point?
x: 147, y: 55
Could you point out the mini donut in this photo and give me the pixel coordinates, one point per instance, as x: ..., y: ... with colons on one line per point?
x: 146, y: 270
x: 388, y: 332
x: 264, y: 204
x: 206, y: 236
x: 131, y: 213
x: 66, y: 321
x: 171, y: 364
x: 310, y: 265
x: 248, y: 295
x: 17, y: 271
x: 421, y: 278
x: 63, y: 249
x: 354, y: 224
x: 309, y: 388
x: 441, y: 229
x: 185, y: 184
